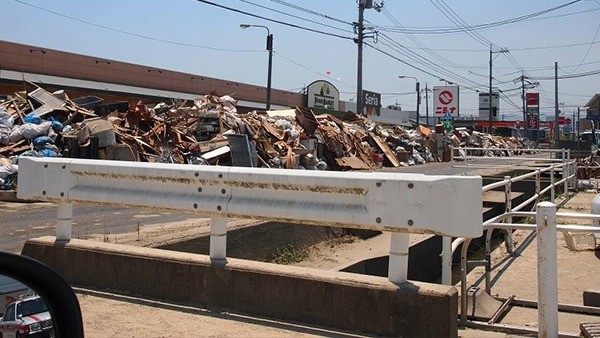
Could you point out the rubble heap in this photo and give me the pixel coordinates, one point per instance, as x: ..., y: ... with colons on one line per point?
x: 209, y: 131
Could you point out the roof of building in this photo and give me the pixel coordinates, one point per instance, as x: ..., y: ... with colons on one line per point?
x: 595, y: 99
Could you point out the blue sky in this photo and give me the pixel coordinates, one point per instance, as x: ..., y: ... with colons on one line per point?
x: 302, y: 57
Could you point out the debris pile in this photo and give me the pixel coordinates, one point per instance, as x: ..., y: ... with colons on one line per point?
x: 492, y: 146
x: 210, y: 131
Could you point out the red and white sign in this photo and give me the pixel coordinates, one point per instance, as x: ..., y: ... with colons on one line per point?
x: 533, y: 99
x: 445, y: 101
x: 564, y: 120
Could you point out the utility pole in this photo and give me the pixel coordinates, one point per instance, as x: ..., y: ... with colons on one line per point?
x: 359, y: 30
x: 578, y: 136
x: 426, y: 105
x: 359, y: 40
x: 556, y: 105
x: 490, y: 92
x: 524, y: 109
x: 418, y: 89
x: 502, y: 50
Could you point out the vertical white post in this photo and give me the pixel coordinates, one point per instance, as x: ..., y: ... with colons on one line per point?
x: 538, y: 185
x: 547, y: 270
x: 565, y: 171
x: 508, y: 200
x: 64, y: 221
x: 570, y: 167
x: 446, y: 260
x: 218, y: 237
x: 552, y: 189
x: 575, y: 171
x: 398, y: 266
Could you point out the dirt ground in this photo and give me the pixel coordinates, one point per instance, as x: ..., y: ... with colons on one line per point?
x: 577, y: 271
x: 110, y: 315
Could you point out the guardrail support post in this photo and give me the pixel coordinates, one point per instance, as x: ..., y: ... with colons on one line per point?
x: 508, y: 199
x: 570, y: 167
x: 218, y: 238
x: 538, y: 185
x: 446, y: 260
x: 398, y: 265
x: 64, y: 221
x: 464, y: 297
x: 565, y: 173
x: 575, y: 172
x: 552, y: 189
x: 547, y: 270
x: 488, y: 258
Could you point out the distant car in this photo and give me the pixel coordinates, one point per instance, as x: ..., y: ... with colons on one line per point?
x: 27, y: 317
x: 587, y: 136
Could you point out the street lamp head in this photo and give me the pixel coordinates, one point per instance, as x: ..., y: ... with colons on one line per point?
x: 244, y: 26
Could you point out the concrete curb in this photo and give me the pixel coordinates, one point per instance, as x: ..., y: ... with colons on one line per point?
x: 329, y: 298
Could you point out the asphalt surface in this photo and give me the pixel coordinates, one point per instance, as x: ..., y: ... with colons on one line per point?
x: 21, y: 221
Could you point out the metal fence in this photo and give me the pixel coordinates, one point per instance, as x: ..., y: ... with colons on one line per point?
x: 398, y: 203
x: 545, y: 227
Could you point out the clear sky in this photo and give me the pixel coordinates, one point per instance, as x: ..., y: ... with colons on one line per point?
x: 195, y: 37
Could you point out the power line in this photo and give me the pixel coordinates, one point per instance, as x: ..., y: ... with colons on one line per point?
x: 274, y: 20
x: 531, y: 19
x: 571, y: 76
x: 311, y: 70
x: 588, y: 51
x: 302, y: 9
x: 424, y: 61
x: 485, y: 25
x: 410, y: 65
x: 512, y: 49
x: 417, y: 41
x: 184, y: 44
x: 294, y: 16
x: 458, y: 21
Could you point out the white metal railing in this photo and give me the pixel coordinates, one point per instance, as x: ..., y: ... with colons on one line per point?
x: 399, y: 203
x: 448, y: 251
x: 546, y: 229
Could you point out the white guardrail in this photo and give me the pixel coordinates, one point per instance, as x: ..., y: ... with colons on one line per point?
x: 545, y: 228
x: 399, y: 203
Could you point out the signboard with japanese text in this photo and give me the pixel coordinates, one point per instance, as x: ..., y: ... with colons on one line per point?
x: 371, y: 103
x: 532, y: 99
x: 322, y: 94
x: 445, y: 101
x: 533, y: 121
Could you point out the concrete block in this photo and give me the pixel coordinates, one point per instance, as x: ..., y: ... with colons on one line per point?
x: 591, y: 298
x: 335, y: 299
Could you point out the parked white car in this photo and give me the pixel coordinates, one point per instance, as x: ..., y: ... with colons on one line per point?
x: 27, y: 317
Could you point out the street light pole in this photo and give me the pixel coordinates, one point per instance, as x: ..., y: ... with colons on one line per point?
x: 270, y: 69
x: 417, y: 89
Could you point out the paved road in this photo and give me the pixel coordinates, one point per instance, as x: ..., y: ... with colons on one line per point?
x: 20, y: 221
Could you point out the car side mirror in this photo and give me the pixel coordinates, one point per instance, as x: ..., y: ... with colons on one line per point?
x: 56, y: 293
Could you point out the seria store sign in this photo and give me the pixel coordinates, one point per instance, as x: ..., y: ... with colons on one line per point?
x: 372, y: 103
